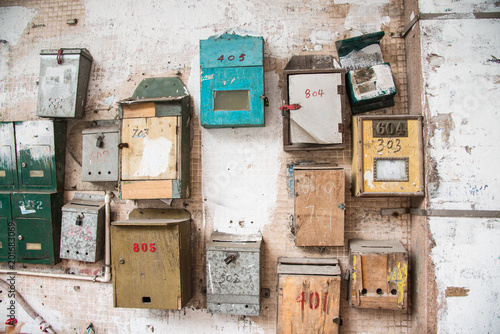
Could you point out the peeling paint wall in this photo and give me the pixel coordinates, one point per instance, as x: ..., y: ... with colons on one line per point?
x: 461, y: 78
x: 239, y: 180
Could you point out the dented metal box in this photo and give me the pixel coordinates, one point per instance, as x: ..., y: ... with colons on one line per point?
x: 151, y: 259
x: 62, y: 87
x: 314, y: 110
x: 41, y: 149
x: 100, y: 154
x: 233, y: 274
x: 82, y: 228
x: 319, y: 205
x: 8, y: 163
x: 308, y: 295
x: 155, y: 140
x: 370, y: 83
x: 232, y: 81
x: 387, y: 157
x: 7, y: 230
x: 37, y: 217
x: 378, y: 274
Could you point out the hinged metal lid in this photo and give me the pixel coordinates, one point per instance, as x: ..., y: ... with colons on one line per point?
x: 227, y: 241
x: 308, y: 266
x: 67, y: 51
x: 89, y: 203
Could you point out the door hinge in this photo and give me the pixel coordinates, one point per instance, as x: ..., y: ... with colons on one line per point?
x: 341, y: 127
x: 340, y: 89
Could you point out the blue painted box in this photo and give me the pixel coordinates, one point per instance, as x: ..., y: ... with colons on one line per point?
x: 232, y: 81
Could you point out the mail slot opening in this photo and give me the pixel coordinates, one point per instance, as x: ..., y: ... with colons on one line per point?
x: 146, y: 300
x: 394, y: 292
x: 226, y: 100
x: 380, y: 292
x: 364, y: 292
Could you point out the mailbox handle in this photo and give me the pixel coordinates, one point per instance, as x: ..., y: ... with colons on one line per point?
x: 59, y: 55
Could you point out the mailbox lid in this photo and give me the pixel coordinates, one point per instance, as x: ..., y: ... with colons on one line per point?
x: 231, y: 50
x: 63, y: 86
x: 8, y: 164
x: 38, y: 224
x: 6, y: 225
x: 360, y: 51
x: 100, y: 163
x: 41, y: 148
x: 245, y: 109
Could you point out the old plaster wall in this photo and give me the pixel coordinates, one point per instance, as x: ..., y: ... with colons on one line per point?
x: 461, y: 73
x: 239, y: 180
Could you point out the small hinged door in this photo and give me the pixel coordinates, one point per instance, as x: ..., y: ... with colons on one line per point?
x: 319, y: 206
x: 312, y: 83
x: 8, y: 171
x: 6, y: 226
x: 308, y: 296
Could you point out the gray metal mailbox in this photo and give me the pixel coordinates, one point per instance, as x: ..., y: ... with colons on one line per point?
x: 233, y: 274
x: 100, y: 154
x: 64, y: 77
x: 82, y: 228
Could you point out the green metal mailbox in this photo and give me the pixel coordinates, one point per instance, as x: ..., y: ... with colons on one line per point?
x: 5, y: 225
x: 41, y: 148
x: 37, y: 217
x: 8, y: 175
x: 232, y: 81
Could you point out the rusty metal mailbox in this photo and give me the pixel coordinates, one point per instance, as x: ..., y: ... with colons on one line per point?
x: 378, y: 274
x: 64, y: 77
x: 82, y: 228
x: 151, y: 259
x: 100, y: 154
x: 233, y: 274
x: 308, y: 295
x: 314, y: 106
x: 387, y: 157
x: 319, y: 205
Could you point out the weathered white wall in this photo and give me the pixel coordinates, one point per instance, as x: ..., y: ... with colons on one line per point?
x: 461, y: 90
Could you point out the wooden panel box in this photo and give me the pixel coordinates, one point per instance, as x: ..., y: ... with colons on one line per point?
x: 308, y: 295
x: 378, y: 275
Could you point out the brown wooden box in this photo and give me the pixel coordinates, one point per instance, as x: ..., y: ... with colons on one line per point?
x: 312, y: 82
x: 319, y: 205
x: 378, y: 276
x: 308, y: 295
x: 151, y: 259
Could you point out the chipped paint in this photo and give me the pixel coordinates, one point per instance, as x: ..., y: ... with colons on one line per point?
x: 399, y: 276
x: 155, y: 157
x: 13, y: 21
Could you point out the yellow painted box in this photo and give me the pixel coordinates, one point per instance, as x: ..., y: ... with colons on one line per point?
x: 378, y: 274
x: 151, y: 259
x: 387, y: 157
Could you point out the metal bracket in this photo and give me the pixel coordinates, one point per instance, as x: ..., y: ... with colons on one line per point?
x: 287, y: 107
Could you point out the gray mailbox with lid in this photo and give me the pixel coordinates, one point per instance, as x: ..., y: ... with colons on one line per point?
x: 82, y: 228
x: 233, y: 274
x: 100, y: 153
x: 63, y: 82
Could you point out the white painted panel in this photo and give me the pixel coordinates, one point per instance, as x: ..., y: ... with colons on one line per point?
x: 317, y: 121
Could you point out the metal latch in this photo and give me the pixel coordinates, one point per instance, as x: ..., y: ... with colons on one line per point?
x: 99, y: 141
x: 59, y: 55
x: 230, y: 257
x: 286, y: 107
x: 79, y: 220
x: 122, y: 145
x: 266, y: 100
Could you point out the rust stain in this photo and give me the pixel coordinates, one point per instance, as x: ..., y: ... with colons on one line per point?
x: 453, y: 291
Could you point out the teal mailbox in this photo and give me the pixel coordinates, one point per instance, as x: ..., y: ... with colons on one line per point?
x: 232, y: 81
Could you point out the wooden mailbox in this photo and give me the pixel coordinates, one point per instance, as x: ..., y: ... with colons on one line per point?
x: 308, y: 295
x: 319, y: 205
x: 378, y: 275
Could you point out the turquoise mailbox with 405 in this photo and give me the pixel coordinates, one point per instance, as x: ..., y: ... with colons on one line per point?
x: 232, y: 81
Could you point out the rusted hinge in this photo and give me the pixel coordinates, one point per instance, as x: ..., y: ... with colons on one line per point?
x: 340, y: 89
x: 341, y: 127
x: 287, y: 107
